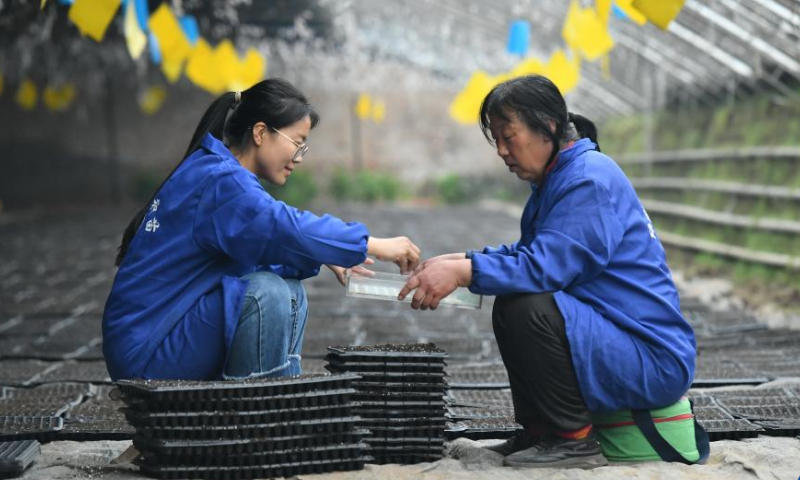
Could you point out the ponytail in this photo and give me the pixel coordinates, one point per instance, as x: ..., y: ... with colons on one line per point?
x: 213, y: 122
x: 584, y: 127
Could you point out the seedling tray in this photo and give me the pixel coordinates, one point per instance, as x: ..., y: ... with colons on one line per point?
x: 406, y: 432
x: 480, y: 429
x: 277, y: 429
x: 437, y: 388
x: 411, y: 407
x: 75, y: 391
x: 479, y: 413
x: 407, y: 352
x: 230, y: 418
x: 383, y: 413
x: 379, y: 396
x: 379, y: 367
x: 492, y: 398
x: 183, y: 391
x: 15, y: 457
x: 29, y: 428
x: 291, y: 454
x: 172, y: 448
x: 787, y: 412
x: 396, y: 377
x: 306, y: 399
x: 410, y: 443
x: 254, y: 471
x: 735, y: 429
x: 404, y: 422
x: 90, y: 429
x: 789, y: 427
x: 31, y: 407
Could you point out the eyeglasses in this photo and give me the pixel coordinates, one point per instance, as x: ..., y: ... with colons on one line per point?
x: 302, y: 148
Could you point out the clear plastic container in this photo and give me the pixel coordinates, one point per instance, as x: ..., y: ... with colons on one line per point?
x: 386, y: 286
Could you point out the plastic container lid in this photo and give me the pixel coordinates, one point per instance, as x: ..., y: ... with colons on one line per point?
x: 386, y: 286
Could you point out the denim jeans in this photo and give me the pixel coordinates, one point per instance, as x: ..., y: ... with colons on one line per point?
x: 269, y: 336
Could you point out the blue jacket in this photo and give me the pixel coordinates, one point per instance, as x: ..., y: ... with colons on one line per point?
x: 586, y: 237
x: 175, y: 302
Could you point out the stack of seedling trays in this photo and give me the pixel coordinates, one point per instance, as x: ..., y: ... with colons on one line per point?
x: 400, y: 398
x: 256, y: 428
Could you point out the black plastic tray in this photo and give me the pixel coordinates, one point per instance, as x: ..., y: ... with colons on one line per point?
x: 380, y: 368
x: 734, y: 429
x: 246, y: 445
x: 780, y: 428
x: 384, y: 413
x: 91, y: 429
x: 782, y: 412
x: 402, y: 387
x: 277, y: 429
x: 406, y: 432
x: 162, y: 390
x: 401, y: 404
x: 230, y: 418
x: 424, y: 351
x: 410, y: 443
x: 29, y: 428
x: 309, y: 399
x: 480, y: 398
x: 15, y: 457
x: 479, y: 413
x: 35, y: 407
x: 437, y: 378
x: 404, y: 422
x: 50, y: 390
x: 398, y: 395
x: 480, y: 429
x: 258, y: 471
x: 291, y: 454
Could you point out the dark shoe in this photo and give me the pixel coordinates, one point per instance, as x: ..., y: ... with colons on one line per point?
x: 522, y: 440
x: 560, y: 452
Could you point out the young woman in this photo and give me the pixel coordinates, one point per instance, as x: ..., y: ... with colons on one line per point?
x: 586, y: 315
x: 209, y: 274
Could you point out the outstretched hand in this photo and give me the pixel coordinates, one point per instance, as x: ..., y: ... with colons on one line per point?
x: 399, y: 250
x: 439, y: 258
x: 437, y: 281
x: 341, y: 272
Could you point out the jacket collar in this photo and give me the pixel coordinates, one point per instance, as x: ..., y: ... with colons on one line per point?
x: 213, y: 145
x: 567, y: 155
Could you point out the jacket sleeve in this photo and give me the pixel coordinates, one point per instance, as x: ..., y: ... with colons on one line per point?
x: 238, y: 218
x: 573, y: 245
x: 501, y: 249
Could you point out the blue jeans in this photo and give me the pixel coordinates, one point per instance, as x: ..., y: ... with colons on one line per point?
x: 269, y: 336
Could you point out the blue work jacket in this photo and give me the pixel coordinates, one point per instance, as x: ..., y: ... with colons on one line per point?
x: 587, y: 238
x: 175, y: 302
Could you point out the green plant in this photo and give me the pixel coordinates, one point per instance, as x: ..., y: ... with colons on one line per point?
x: 364, y: 186
x: 451, y: 189
x: 299, y: 190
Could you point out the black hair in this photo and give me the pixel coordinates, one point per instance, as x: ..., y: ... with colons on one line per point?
x: 273, y: 101
x: 536, y: 101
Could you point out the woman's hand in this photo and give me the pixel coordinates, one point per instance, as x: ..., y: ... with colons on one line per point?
x: 341, y: 272
x: 399, y: 250
x: 432, y: 260
x: 437, y: 281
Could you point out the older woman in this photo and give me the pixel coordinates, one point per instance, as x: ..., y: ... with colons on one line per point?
x: 587, y: 316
